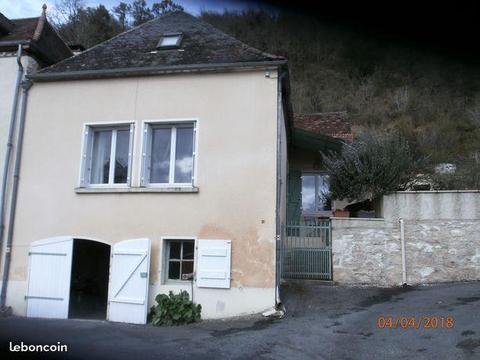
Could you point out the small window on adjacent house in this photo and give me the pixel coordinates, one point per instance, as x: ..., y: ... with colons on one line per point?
x: 315, y: 194
x: 171, y: 40
x: 107, y: 155
x: 169, y: 154
x: 180, y: 259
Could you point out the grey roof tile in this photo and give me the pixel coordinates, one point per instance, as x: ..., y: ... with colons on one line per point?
x: 202, y: 44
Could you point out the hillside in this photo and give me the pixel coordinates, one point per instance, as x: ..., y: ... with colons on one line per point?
x: 433, y: 99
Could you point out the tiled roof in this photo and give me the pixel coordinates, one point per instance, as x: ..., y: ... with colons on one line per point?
x: 21, y: 29
x: 334, y: 124
x: 202, y: 44
x: 43, y: 41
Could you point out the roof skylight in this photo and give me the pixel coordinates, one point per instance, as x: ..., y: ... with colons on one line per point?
x: 170, y: 40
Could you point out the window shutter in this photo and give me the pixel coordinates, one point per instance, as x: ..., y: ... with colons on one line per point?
x: 86, y: 157
x: 130, y: 153
x: 146, y: 148
x: 194, y: 153
x: 213, y: 263
x: 294, y: 206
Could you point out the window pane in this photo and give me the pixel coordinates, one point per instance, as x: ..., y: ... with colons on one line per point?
x: 121, y: 156
x: 308, y: 193
x: 187, y: 269
x: 324, y: 202
x: 174, y: 270
x: 169, y: 40
x: 101, y: 157
x: 188, y: 249
x: 175, y: 249
x: 160, y: 165
x: 184, y: 155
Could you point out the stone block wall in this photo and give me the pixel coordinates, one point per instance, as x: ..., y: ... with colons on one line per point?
x: 442, y: 235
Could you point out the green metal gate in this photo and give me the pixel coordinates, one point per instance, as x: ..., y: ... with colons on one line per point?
x: 306, y: 251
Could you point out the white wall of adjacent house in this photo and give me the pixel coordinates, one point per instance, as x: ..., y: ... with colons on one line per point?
x: 8, y: 78
x: 235, y: 165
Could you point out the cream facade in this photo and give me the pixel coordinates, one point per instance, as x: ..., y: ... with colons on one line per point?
x: 234, y: 196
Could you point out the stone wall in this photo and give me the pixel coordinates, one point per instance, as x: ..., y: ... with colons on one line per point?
x: 442, y: 235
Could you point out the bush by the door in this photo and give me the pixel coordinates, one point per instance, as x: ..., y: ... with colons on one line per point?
x: 175, y: 309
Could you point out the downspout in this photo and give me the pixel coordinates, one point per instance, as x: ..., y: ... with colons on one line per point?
x: 278, y: 231
x: 13, y: 201
x: 8, y: 152
x: 404, y: 255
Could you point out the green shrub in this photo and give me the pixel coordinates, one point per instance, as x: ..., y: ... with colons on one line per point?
x: 174, y: 309
x: 375, y: 164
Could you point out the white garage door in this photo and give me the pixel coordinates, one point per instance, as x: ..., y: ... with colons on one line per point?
x: 49, y: 278
x: 129, y: 273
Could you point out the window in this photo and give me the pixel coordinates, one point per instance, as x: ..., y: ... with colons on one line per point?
x: 315, y: 194
x: 107, y: 153
x: 170, y: 40
x: 180, y: 259
x: 169, y: 151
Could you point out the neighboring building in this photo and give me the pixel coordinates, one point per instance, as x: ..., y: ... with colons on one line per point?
x: 308, y: 187
x: 170, y: 167
x: 25, y: 46
x: 41, y: 46
x: 334, y: 124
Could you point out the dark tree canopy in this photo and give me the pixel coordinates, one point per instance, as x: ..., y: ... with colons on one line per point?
x: 89, y: 26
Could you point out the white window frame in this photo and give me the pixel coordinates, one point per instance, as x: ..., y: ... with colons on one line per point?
x: 315, y: 212
x: 165, y: 260
x: 87, y: 148
x: 147, y: 126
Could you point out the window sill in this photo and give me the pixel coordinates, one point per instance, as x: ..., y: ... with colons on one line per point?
x: 177, y: 283
x: 106, y: 190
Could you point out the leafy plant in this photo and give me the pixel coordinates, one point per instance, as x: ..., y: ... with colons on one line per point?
x: 373, y: 165
x: 174, y: 309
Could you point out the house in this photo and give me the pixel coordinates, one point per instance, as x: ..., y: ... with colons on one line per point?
x: 308, y: 187
x: 152, y: 162
x: 26, y: 45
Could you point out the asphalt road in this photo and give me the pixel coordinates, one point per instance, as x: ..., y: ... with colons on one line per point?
x: 322, y: 322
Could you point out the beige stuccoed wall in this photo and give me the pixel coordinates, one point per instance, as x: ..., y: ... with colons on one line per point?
x: 236, y: 115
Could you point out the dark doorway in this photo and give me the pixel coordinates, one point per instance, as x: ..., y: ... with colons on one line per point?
x: 89, y: 281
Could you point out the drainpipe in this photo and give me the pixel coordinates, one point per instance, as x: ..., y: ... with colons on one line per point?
x: 8, y: 152
x: 13, y: 200
x: 278, y: 237
x: 404, y: 255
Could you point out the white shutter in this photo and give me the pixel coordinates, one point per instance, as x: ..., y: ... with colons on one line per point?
x: 146, y: 155
x: 213, y: 263
x: 86, y: 163
x: 194, y: 153
x: 129, y: 273
x: 49, y: 278
x: 130, y: 154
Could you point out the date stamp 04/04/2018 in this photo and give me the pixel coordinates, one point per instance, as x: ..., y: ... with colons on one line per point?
x: 415, y: 322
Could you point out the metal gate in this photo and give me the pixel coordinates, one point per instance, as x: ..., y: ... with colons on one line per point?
x: 306, y: 251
